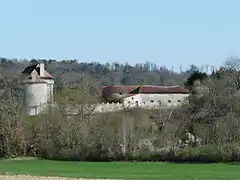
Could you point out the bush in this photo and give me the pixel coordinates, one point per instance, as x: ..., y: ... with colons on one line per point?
x: 130, y: 135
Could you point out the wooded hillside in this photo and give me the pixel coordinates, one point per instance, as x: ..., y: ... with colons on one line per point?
x: 72, y: 71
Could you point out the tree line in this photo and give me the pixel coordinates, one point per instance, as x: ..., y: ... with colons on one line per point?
x: 72, y: 71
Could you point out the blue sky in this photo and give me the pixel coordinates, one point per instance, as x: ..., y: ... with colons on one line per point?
x: 166, y: 32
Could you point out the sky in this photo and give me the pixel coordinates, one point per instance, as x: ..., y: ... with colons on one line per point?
x: 172, y: 33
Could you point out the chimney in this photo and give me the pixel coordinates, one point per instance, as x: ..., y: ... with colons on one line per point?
x: 42, y: 69
x: 34, y: 76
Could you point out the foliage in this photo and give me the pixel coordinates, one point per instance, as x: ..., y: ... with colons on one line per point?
x: 135, y: 134
x: 196, y: 75
x: 71, y: 72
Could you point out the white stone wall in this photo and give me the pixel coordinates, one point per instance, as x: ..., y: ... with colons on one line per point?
x: 35, y: 97
x: 97, y: 108
x: 133, y: 101
x: 148, y: 101
x: 50, y: 84
x: 108, y: 107
x: 155, y: 100
x: 165, y: 100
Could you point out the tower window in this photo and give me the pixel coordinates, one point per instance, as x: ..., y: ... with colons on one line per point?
x: 136, y: 103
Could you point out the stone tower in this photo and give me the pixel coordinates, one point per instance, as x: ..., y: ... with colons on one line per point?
x: 38, y: 89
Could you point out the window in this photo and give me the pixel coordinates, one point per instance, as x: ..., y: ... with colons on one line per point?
x: 132, y: 98
x: 128, y: 102
x: 169, y: 101
x: 179, y: 101
x: 136, y: 103
x: 152, y: 101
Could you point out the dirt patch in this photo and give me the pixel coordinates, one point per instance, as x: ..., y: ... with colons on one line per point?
x: 23, y: 177
x: 22, y: 158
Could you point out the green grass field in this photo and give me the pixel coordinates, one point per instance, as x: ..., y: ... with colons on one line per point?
x: 121, y: 170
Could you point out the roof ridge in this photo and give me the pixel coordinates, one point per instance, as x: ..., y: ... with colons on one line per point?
x: 158, y: 86
x: 29, y: 69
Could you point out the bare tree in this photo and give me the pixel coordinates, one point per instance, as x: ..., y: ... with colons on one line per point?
x: 232, y: 68
x: 10, y: 118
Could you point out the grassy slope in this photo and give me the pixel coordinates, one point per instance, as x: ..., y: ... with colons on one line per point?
x: 123, y: 170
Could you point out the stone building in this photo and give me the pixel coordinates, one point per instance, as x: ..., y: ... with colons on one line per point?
x: 38, y: 94
x: 38, y: 89
x: 146, y: 96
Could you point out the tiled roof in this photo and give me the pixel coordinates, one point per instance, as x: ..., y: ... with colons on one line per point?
x: 162, y: 89
x: 118, y: 89
x: 144, y: 89
x: 28, y: 70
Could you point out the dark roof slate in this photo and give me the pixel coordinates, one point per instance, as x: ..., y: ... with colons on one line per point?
x: 28, y: 70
